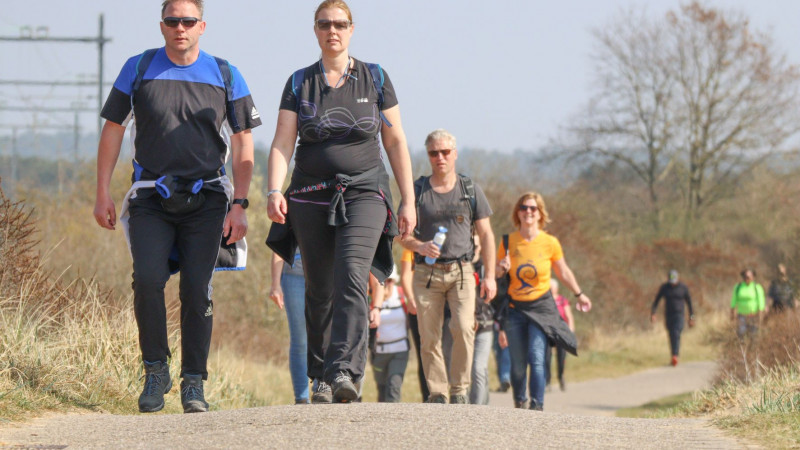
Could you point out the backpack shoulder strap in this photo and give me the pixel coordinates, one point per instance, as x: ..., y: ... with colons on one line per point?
x: 468, y: 189
x: 297, y: 82
x: 376, y: 72
x: 419, y: 186
x: 141, y: 67
x: 227, y: 80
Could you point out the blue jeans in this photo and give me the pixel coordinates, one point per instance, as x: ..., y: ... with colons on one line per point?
x: 503, y: 361
x: 294, y: 300
x: 526, y: 344
x: 479, y: 390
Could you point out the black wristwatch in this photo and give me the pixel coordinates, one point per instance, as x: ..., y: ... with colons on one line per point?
x: 241, y: 201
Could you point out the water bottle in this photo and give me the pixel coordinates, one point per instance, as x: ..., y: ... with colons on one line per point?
x: 438, y: 239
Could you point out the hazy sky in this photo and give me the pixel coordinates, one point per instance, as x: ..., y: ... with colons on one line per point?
x: 499, y: 75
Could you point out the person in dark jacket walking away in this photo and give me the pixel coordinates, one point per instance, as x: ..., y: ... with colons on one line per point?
x: 781, y: 291
x: 675, y: 294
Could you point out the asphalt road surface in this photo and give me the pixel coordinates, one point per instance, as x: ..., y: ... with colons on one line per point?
x: 577, y: 418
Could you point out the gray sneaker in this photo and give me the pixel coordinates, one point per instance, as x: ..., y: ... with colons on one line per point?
x: 192, y: 397
x: 156, y: 383
x: 321, y: 392
x: 438, y: 398
x: 344, y: 391
x: 458, y: 399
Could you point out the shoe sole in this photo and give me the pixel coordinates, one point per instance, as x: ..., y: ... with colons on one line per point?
x: 159, y: 407
x: 194, y: 407
x: 345, y: 394
x: 321, y: 399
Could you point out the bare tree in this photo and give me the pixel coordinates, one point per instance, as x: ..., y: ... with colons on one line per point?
x: 699, y: 93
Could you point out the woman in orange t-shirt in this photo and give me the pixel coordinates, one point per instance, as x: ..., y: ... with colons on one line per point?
x: 533, y: 319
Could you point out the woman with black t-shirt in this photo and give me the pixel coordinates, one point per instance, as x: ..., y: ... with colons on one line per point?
x: 338, y: 206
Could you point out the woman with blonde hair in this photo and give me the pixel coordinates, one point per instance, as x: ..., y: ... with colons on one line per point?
x: 338, y: 207
x: 532, y: 318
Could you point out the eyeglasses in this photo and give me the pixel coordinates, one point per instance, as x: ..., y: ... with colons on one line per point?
x: 435, y: 153
x: 325, y: 24
x: 531, y: 208
x: 187, y: 22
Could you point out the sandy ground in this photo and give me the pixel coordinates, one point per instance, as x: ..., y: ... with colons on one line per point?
x: 577, y: 418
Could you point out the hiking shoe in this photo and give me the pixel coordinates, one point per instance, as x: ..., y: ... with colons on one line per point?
x: 192, y: 397
x: 321, y: 392
x: 504, y: 386
x: 344, y: 391
x: 674, y: 360
x: 521, y: 404
x: 535, y: 406
x: 458, y: 399
x: 302, y: 401
x: 438, y: 398
x: 156, y: 383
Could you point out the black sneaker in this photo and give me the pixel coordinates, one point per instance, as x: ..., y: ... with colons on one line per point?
x: 321, y: 392
x: 192, y: 396
x: 156, y: 383
x: 438, y: 398
x: 504, y: 386
x: 459, y: 400
x: 344, y: 391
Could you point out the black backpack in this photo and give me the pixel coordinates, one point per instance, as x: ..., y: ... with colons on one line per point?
x: 467, y: 191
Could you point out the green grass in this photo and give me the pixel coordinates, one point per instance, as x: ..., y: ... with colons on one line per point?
x: 664, y: 407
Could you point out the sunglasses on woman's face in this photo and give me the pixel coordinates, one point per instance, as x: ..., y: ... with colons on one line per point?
x: 525, y: 208
x: 325, y: 24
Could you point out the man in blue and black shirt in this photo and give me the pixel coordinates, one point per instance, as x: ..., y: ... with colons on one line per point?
x: 189, y: 109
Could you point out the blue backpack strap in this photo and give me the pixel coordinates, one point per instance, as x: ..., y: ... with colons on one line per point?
x: 377, y: 80
x: 227, y: 80
x: 297, y: 83
x: 141, y: 67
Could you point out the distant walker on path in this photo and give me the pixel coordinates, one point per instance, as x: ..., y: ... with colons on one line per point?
x: 675, y: 295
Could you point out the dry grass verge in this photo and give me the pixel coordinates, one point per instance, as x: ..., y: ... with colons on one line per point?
x: 68, y: 344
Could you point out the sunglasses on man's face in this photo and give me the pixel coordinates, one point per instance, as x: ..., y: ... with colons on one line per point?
x: 531, y: 208
x: 187, y: 22
x: 436, y: 153
x: 325, y: 24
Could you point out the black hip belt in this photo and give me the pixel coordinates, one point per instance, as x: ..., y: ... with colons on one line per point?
x: 444, y: 264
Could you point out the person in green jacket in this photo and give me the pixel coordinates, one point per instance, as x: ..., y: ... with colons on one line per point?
x: 747, y: 304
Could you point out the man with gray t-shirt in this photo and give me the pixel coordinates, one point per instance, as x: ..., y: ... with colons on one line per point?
x: 447, y: 199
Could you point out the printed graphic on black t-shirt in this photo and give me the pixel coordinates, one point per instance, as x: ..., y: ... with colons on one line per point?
x: 338, y: 128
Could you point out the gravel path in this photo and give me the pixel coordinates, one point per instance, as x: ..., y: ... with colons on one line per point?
x: 372, y: 425
x: 605, y: 396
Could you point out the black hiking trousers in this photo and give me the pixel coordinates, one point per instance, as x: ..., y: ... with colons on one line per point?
x: 674, y: 329
x: 336, y: 262
x: 196, y: 236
